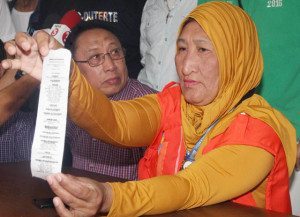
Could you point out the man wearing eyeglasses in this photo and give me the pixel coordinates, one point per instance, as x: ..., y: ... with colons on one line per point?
x: 101, y: 59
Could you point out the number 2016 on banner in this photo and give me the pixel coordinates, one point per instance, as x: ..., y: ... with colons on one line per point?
x: 274, y: 3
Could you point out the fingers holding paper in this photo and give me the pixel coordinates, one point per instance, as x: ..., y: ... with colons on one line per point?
x: 46, y: 42
x: 84, y: 196
x: 28, y: 52
x: 26, y: 55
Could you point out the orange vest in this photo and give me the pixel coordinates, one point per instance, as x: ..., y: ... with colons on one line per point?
x: 162, y: 157
x: 166, y: 153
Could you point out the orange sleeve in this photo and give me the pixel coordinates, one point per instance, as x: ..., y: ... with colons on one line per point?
x: 218, y: 176
x: 124, y: 123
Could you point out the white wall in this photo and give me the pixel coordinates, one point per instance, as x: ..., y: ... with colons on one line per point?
x: 295, y: 193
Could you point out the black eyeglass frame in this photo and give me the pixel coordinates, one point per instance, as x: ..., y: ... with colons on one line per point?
x: 103, y: 57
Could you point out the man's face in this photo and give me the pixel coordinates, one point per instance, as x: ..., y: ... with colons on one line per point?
x: 111, y: 76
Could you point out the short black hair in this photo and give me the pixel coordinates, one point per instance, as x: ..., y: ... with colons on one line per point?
x: 88, y: 25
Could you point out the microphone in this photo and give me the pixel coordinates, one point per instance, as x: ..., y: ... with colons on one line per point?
x: 62, y: 30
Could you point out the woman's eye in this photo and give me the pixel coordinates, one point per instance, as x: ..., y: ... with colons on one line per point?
x: 201, y: 49
x: 181, y: 49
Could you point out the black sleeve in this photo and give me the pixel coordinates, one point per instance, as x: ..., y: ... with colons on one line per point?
x: 47, y: 13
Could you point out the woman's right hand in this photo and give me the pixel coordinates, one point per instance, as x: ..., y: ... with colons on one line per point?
x: 84, y: 196
x: 29, y: 52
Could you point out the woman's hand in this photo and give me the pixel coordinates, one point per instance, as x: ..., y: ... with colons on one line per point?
x: 85, y: 197
x: 28, y: 52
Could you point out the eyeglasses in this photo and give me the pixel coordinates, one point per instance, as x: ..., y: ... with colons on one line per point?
x: 98, y: 59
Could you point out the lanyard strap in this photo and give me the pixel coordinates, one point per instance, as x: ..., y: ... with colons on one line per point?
x: 190, y: 155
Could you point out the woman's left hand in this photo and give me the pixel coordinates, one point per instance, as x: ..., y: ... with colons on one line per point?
x: 28, y: 52
x: 85, y: 197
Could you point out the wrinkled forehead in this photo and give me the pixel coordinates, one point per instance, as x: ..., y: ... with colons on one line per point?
x: 193, y: 34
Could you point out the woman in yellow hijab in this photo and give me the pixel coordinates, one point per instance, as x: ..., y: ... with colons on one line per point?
x: 210, y: 138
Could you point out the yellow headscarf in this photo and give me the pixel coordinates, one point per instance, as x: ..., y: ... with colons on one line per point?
x: 236, y: 43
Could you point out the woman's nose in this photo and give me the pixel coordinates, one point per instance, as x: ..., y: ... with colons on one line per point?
x: 189, y: 63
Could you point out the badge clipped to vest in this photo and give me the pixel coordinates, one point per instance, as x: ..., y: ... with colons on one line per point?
x: 190, y: 155
x: 186, y: 164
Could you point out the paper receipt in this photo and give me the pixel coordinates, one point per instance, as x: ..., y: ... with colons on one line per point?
x: 49, y: 137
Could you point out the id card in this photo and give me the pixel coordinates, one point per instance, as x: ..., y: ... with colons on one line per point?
x: 49, y: 136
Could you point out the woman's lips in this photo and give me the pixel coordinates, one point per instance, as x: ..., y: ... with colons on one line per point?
x: 189, y: 83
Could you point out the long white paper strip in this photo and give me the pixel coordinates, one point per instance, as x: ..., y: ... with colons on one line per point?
x: 49, y: 137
